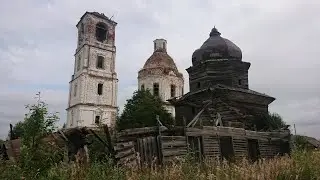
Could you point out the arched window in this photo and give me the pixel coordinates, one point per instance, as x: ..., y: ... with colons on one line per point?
x: 100, y: 62
x: 156, y: 89
x: 240, y: 82
x: 142, y: 87
x: 100, y: 87
x: 101, y: 32
x: 173, y: 90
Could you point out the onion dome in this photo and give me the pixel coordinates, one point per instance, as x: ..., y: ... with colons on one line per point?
x: 217, y: 47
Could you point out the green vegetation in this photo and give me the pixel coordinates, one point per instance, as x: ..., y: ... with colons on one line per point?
x: 267, y: 122
x: 17, y: 130
x: 141, y: 111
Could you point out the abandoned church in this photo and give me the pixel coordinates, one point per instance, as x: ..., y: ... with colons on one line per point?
x: 214, y: 120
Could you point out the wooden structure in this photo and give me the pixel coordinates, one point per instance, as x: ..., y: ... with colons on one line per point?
x: 152, y: 145
x: 160, y: 145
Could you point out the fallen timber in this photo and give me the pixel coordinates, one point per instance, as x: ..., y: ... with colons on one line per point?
x: 162, y: 145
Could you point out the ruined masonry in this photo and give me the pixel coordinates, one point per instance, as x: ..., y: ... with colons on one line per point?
x: 93, y: 86
x: 161, y: 76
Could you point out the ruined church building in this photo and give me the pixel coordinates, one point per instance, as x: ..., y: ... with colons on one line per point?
x: 218, y: 80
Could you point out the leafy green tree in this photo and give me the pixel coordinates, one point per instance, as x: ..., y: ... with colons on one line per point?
x: 141, y: 111
x: 17, y: 130
x: 269, y: 121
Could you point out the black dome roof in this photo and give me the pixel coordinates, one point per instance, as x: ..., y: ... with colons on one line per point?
x: 217, y: 47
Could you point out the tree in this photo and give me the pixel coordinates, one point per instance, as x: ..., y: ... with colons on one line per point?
x: 17, y: 130
x: 269, y: 121
x: 37, y: 156
x: 141, y: 111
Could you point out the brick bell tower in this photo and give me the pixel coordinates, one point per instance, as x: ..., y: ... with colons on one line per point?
x: 93, y: 86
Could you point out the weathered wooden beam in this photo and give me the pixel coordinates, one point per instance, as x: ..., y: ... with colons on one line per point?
x: 109, y: 141
x: 195, y: 119
x: 140, y: 131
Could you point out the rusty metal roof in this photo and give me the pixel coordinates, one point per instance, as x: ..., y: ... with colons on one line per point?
x: 158, y: 59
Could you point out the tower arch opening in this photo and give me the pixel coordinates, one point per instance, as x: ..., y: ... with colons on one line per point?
x: 101, y: 32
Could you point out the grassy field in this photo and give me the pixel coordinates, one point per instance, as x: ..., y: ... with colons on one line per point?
x: 301, y: 165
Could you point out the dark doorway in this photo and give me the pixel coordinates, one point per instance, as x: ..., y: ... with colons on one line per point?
x: 284, y: 148
x: 253, y: 147
x: 226, y: 148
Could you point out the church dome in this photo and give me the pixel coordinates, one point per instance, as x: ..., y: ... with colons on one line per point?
x: 160, y: 58
x: 160, y: 61
x: 217, y: 47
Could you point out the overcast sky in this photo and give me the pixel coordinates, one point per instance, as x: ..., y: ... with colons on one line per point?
x: 279, y: 37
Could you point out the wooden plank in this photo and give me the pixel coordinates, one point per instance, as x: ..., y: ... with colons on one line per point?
x: 140, y: 143
x: 145, y: 149
x: 169, y: 145
x: 174, y: 152
x: 131, y: 157
x: 125, y: 153
x: 124, y: 145
x: 173, y: 138
x: 139, y: 131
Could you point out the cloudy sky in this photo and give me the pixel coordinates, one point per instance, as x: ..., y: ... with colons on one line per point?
x: 279, y: 37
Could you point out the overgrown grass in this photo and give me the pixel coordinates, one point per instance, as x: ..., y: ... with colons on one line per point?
x: 301, y: 165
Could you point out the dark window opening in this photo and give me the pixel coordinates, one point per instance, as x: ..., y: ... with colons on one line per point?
x: 156, y: 89
x: 173, y: 90
x: 164, y: 45
x: 198, y: 85
x: 253, y: 148
x: 181, y: 91
x: 240, y: 82
x: 100, y: 87
x: 101, y: 32
x: 97, y: 120
x: 226, y: 148
x: 154, y: 46
x: 100, y: 62
x: 142, y: 87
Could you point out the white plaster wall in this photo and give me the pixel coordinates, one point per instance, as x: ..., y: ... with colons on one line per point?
x: 86, y: 102
x: 91, y: 91
x: 164, y: 85
x: 85, y: 116
x: 165, y: 82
